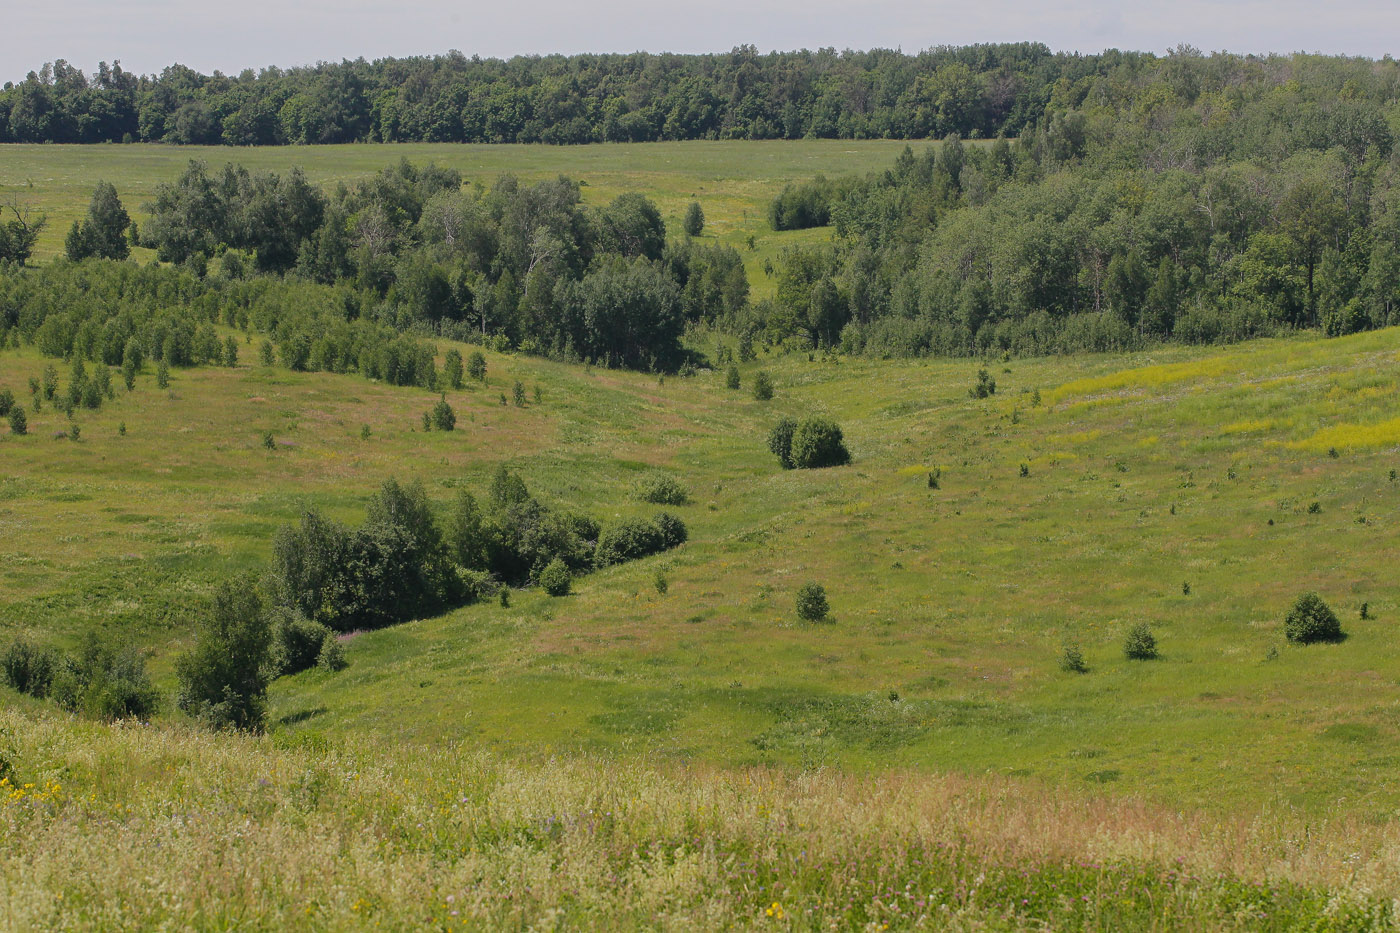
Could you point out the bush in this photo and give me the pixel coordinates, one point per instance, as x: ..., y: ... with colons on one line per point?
x: 816, y: 443
x: 518, y: 394
x: 452, y: 369
x: 762, y: 386
x: 163, y: 375
x: 694, y: 220
x: 1311, y: 620
x: 223, y: 679
x: 29, y: 669
x: 660, y: 489
x: 1072, y: 659
x: 106, y: 683
x: 555, y: 578
x: 331, y: 657
x: 19, y: 424
x: 7, y: 402
x: 780, y: 441
x: 1140, y: 645
x: 731, y: 378
x: 811, y: 602
x: 638, y: 537
x: 476, y: 366
x: 985, y: 386
x: 296, y: 642
x: 443, y: 418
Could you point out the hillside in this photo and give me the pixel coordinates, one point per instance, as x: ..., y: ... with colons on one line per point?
x: 1142, y: 476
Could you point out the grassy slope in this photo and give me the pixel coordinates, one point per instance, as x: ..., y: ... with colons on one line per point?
x: 1144, y: 473
x: 733, y: 181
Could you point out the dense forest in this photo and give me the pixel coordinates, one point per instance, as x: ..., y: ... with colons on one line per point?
x: 1222, y: 199
x: 639, y: 97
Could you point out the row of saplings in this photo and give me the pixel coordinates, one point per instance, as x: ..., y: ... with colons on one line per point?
x: 1310, y: 620
x: 326, y: 580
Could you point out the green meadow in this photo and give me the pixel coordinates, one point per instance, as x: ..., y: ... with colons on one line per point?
x: 1144, y: 476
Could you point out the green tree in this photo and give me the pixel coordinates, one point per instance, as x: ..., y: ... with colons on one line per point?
x: 224, y: 677
x: 1311, y: 620
x: 811, y: 602
x: 762, y: 386
x: 19, y: 423
x: 103, y: 233
x: 476, y: 366
x: 162, y: 375
x: 443, y: 418
x: 230, y: 352
x: 816, y: 443
x: 452, y: 368
x: 780, y: 441
x: 694, y: 222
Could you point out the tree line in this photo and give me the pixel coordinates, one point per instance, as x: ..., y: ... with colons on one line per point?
x: 1229, y: 198
x: 638, y: 97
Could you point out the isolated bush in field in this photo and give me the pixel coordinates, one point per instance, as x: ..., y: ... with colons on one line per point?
x: 7, y: 402
x: 103, y: 378
x: 162, y: 375
x: 762, y: 386
x: 266, y: 356
x: 443, y: 418
x: 50, y: 385
x: 555, y: 578
x: 29, y: 668
x: 92, y: 395
x: 223, y: 679
x: 694, y: 222
x: 985, y: 386
x: 476, y: 366
x: 74, y: 432
x: 780, y: 441
x: 452, y: 368
x: 268, y: 441
x: 1311, y: 620
x: 518, y: 393
x: 660, y: 489
x: 1140, y: 645
x: 19, y: 423
x: 816, y: 443
x: 811, y: 602
x: 296, y: 642
x: 661, y: 583
x: 1072, y: 659
x: 731, y: 378
x: 672, y: 529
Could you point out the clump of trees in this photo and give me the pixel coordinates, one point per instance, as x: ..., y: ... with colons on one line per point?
x: 99, y: 679
x: 809, y: 444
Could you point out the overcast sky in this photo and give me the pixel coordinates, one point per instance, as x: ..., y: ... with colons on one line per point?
x: 147, y: 35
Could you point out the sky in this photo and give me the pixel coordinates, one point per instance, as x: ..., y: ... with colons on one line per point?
x: 147, y: 35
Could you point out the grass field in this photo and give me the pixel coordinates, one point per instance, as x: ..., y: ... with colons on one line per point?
x: 733, y: 181
x: 1186, y: 466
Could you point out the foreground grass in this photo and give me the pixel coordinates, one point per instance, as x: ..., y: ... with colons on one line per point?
x: 132, y: 827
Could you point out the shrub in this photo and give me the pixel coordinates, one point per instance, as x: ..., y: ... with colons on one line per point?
x: 1140, y: 645
x: 816, y: 443
x: 106, y: 683
x: 163, y: 375
x: 265, y: 354
x: 1311, y: 620
x: 731, y: 378
x: 443, y: 417
x: 230, y: 354
x: 223, y: 679
x: 19, y: 424
x: 661, y: 583
x: 985, y: 386
x: 555, y: 578
x: 50, y: 384
x: 331, y: 657
x: 27, y: 668
x: 811, y: 602
x: 268, y: 441
x: 638, y: 537
x: 694, y: 220
x: 7, y: 402
x: 518, y: 394
x: 74, y: 432
x: 1072, y: 659
x: 452, y: 369
x: 660, y: 489
x: 780, y: 441
x: 296, y: 642
x: 762, y: 386
x: 476, y: 366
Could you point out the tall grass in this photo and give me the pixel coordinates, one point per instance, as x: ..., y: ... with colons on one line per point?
x: 165, y: 828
